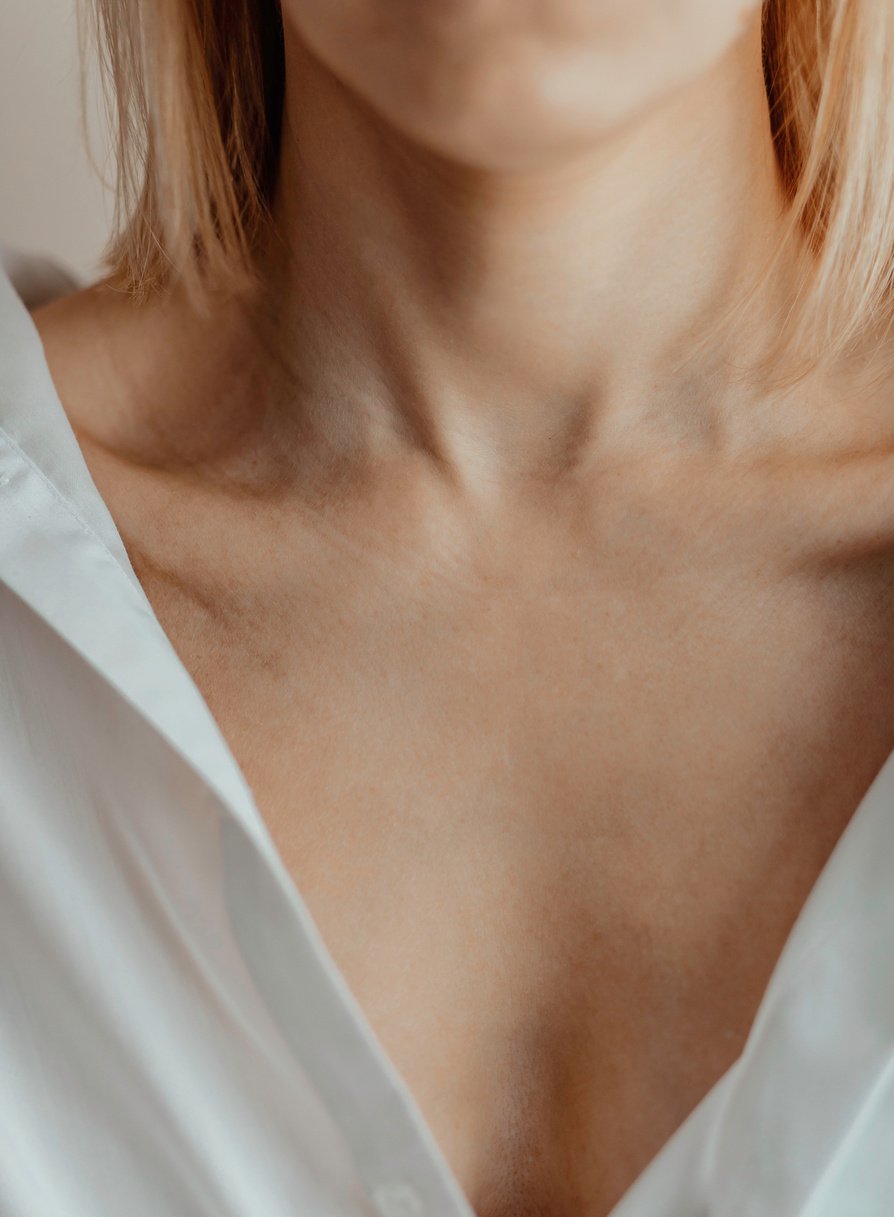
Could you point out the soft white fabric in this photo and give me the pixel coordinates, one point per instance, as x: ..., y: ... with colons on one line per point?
x: 176, y: 1040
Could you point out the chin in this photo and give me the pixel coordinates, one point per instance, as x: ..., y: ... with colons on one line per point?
x: 520, y: 117
x: 461, y: 78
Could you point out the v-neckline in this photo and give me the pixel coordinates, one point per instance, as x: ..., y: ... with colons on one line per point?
x: 236, y: 800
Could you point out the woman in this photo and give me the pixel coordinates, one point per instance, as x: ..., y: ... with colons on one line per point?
x: 447, y: 608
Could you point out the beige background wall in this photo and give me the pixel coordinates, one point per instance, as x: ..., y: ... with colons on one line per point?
x: 51, y: 201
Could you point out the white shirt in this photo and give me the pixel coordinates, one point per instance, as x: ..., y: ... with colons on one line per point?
x: 175, y: 1038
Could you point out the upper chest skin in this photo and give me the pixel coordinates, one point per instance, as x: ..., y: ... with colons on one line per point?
x: 553, y: 790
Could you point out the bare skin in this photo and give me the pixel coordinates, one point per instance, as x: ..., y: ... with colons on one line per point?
x: 556, y: 675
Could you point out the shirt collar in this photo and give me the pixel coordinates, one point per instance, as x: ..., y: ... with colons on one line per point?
x: 62, y: 553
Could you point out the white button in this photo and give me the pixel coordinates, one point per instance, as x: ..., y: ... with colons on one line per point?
x: 398, y: 1200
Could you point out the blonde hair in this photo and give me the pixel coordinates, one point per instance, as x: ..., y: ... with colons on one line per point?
x: 196, y: 90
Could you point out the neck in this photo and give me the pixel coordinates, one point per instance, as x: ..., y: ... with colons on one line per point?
x: 517, y: 320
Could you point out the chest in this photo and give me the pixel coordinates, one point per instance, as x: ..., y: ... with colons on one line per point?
x: 553, y: 794
x: 554, y: 824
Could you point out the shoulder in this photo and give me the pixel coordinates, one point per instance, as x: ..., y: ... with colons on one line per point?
x: 75, y: 330
x: 89, y: 334
x: 30, y: 284
x: 850, y: 483
x: 141, y: 378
